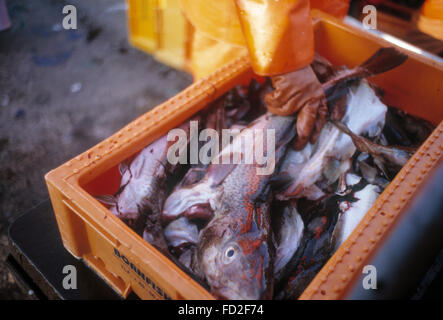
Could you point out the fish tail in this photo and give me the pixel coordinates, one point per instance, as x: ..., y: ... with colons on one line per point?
x: 383, y: 60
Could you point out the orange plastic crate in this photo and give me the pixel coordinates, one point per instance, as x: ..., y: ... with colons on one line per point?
x: 91, y: 232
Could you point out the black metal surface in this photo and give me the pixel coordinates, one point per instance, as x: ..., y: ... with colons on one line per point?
x: 37, y: 249
x: 24, y: 280
x: 431, y: 287
x: 410, y: 262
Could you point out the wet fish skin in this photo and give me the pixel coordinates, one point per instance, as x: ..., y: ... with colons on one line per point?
x: 288, y: 228
x: 235, y: 250
x: 315, y: 247
x: 242, y: 224
x: 371, y: 175
x: 224, y: 113
x: 306, y: 167
x: 144, y: 187
x: 352, y: 213
x: 237, y: 265
x: 206, y: 191
x: 181, y: 234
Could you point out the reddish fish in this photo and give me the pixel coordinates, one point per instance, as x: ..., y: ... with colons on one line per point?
x: 235, y: 250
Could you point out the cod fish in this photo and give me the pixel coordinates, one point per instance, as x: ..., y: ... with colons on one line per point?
x: 288, y: 229
x: 365, y: 114
x: 235, y: 250
x: 330, y: 221
x: 224, y: 113
x: 144, y: 188
x: 310, y: 90
x: 315, y: 248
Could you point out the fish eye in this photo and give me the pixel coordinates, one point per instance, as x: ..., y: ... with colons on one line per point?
x: 230, y: 253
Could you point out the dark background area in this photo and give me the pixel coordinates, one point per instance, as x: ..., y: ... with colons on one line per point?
x: 61, y: 92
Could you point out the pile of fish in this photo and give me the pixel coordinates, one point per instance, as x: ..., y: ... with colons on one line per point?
x: 250, y: 236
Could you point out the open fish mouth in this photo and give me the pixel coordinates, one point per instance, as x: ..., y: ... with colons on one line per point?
x: 183, y: 200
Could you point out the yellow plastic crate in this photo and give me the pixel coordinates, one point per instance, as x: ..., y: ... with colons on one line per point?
x: 158, y: 27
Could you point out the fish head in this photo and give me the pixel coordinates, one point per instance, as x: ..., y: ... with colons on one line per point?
x: 126, y: 205
x: 122, y: 205
x: 139, y: 200
x: 236, y: 266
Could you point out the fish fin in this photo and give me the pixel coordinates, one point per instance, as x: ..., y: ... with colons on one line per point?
x: 193, y: 176
x: 340, y: 125
x: 384, y: 60
x: 138, y: 169
x: 217, y: 173
x: 368, y: 172
x: 295, y: 190
x: 107, y: 199
x: 377, y: 151
x: 379, y: 162
x: 292, y: 221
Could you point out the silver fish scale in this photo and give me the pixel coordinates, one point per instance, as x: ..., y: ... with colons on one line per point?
x: 237, y: 184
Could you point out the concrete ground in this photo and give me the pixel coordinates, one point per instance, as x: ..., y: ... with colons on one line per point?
x: 61, y: 92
